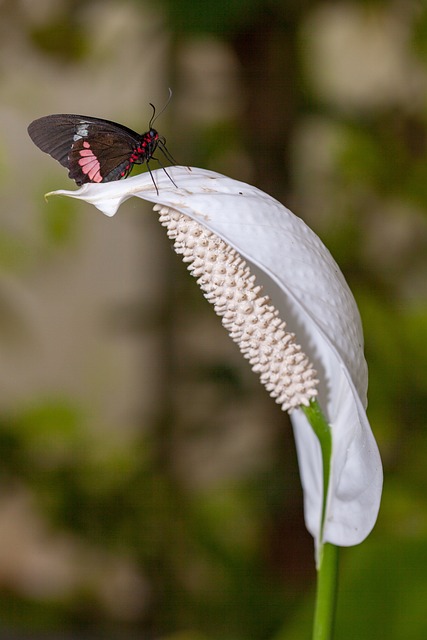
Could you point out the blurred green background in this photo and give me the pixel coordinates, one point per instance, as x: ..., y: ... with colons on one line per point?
x: 148, y: 485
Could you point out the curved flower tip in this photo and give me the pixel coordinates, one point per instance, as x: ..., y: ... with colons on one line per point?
x: 304, y: 287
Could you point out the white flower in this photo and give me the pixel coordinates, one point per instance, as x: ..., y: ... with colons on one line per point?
x: 307, y: 288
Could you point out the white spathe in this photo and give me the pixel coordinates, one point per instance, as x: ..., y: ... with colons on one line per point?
x: 306, y: 285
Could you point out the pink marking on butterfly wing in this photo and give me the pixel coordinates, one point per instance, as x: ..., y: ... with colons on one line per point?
x: 89, y: 163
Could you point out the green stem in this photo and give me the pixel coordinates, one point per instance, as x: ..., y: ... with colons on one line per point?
x: 327, y: 554
x: 326, y: 593
x: 323, y: 431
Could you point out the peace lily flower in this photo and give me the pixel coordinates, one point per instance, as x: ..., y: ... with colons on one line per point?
x: 261, y: 266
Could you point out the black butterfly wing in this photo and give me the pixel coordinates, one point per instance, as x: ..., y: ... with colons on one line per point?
x: 92, y: 149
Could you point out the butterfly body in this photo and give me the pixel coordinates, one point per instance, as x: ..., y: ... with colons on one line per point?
x: 93, y: 149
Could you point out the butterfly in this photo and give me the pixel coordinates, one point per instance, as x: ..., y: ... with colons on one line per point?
x: 96, y: 150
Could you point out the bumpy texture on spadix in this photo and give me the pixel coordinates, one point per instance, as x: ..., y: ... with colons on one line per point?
x: 251, y: 321
x: 305, y: 284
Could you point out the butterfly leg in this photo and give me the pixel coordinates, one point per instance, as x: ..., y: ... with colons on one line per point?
x: 164, y: 169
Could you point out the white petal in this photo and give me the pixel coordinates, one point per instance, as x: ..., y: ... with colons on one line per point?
x: 308, y: 288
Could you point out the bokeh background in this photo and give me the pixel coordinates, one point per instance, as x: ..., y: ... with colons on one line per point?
x: 148, y: 485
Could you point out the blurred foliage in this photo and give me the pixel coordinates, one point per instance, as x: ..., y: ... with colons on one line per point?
x: 62, y: 38
x: 419, y: 33
x: 14, y: 253
x: 386, y: 581
x: 221, y: 18
x: 59, y: 221
x: 118, y: 499
x: 63, y: 35
x: 230, y: 560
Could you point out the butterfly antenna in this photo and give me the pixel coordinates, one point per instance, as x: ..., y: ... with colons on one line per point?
x: 154, y: 116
